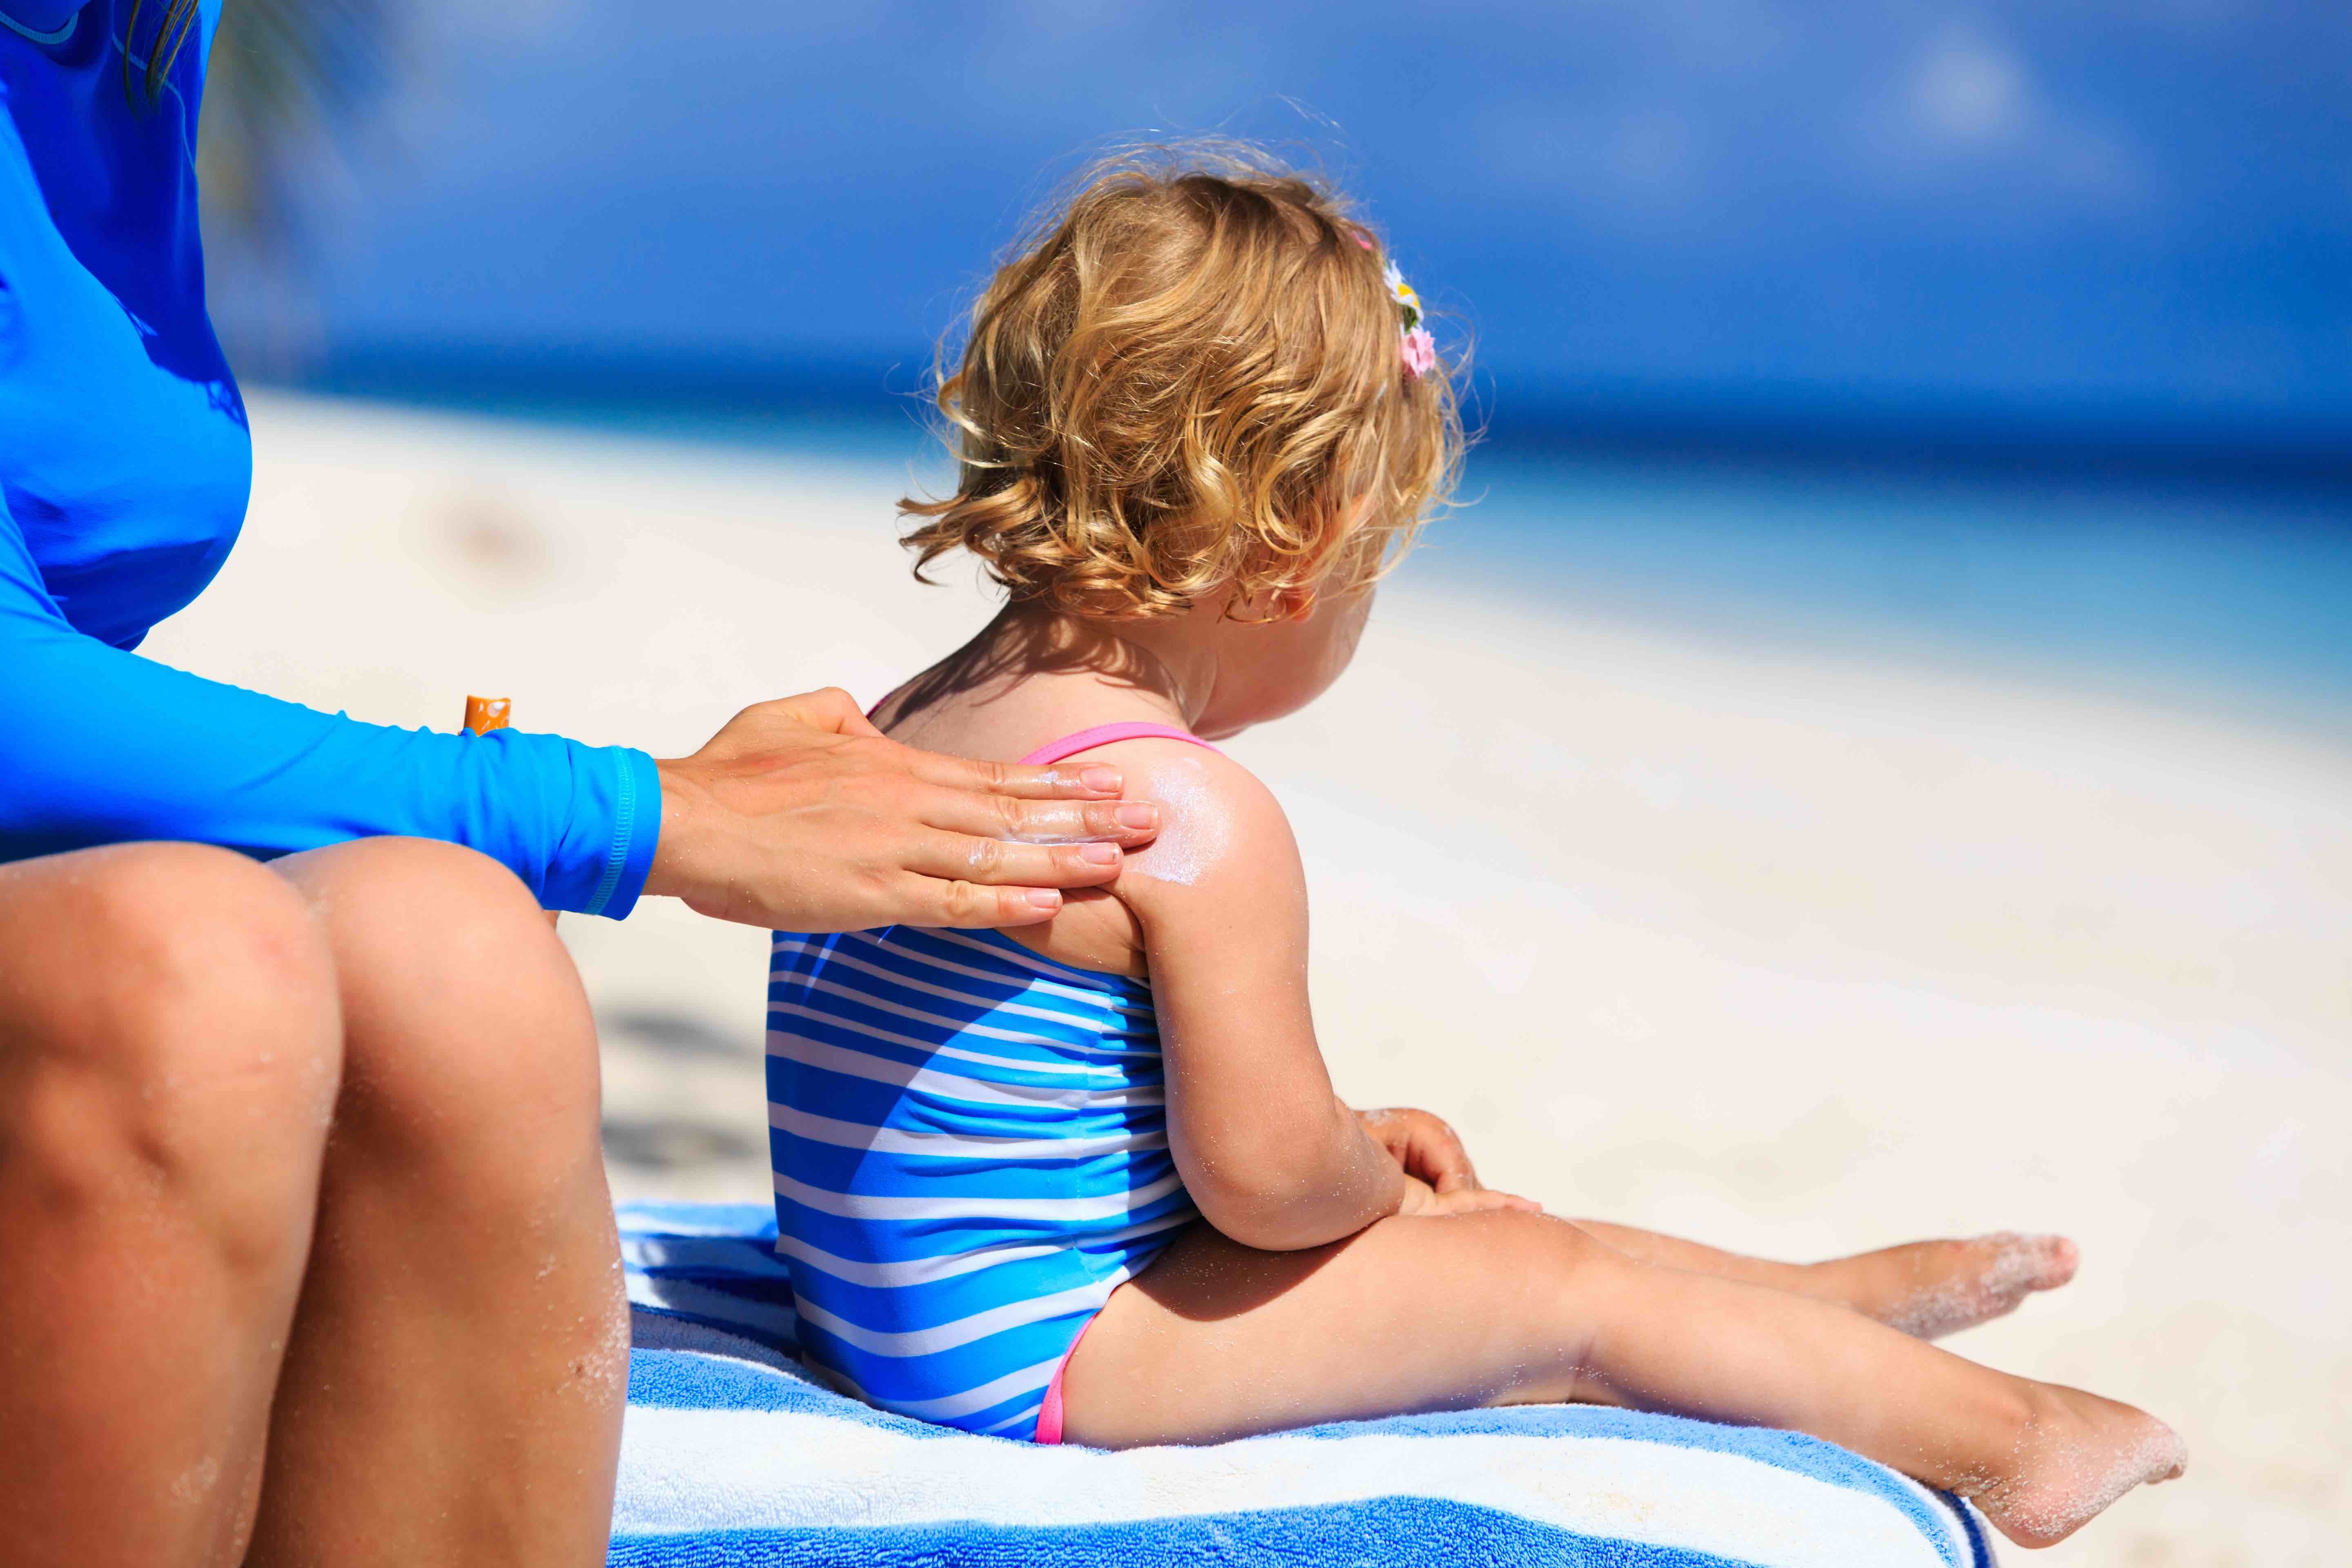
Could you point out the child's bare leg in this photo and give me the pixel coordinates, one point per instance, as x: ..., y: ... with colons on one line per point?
x: 1215, y: 1340
x: 1928, y: 1288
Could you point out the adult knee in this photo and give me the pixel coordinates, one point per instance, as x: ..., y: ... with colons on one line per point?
x: 168, y: 1029
x: 471, y: 1054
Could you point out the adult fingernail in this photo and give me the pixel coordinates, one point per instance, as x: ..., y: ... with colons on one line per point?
x: 1099, y: 854
x: 1044, y: 899
x: 1102, y: 780
x: 1138, y: 813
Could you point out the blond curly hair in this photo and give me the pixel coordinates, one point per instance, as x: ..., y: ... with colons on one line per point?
x: 1188, y: 375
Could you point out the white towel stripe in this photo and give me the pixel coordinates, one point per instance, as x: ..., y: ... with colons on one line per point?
x: 689, y: 1470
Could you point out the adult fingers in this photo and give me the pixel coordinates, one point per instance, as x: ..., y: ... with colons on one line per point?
x: 831, y: 710
x: 968, y: 906
x: 959, y: 858
x: 1063, y: 781
x: 1130, y: 822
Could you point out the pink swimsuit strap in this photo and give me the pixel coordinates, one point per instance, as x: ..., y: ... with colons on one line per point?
x: 1105, y: 734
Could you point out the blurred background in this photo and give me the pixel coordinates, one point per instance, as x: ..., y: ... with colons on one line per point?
x: 2026, y: 324
x: 1879, y: 743
x: 1941, y: 228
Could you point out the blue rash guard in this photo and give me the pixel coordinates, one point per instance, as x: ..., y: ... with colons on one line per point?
x: 124, y: 467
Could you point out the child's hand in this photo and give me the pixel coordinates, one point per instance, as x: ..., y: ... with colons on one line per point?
x: 1421, y: 1199
x: 1422, y: 1144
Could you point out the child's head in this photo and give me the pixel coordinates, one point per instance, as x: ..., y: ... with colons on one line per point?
x: 1197, y: 382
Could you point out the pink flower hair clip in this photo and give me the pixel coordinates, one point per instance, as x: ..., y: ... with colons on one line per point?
x: 1419, y: 348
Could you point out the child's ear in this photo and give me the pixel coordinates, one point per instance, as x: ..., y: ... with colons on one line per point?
x: 1293, y: 604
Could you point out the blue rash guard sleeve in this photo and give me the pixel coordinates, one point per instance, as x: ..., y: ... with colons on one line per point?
x: 99, y: 745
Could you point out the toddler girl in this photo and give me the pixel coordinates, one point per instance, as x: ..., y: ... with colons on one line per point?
x: 1089, y: 1178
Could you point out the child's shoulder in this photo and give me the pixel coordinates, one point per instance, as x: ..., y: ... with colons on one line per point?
x: 1225, y: 851
x: 1216, y: 817
x: 1221, y: 827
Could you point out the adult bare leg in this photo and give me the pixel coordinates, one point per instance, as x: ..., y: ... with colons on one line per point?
x: 1216, y: 1340
x: 169, y: 1051
x: 453, y: 1389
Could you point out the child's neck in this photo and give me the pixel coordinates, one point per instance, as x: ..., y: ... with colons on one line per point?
x: 1033, y: 676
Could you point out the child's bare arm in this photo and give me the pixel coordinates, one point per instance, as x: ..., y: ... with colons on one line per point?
x: 1269, y: 1153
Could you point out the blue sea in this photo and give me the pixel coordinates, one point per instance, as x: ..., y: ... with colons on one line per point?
x: 2199, y: 592
x: 2193, y: 588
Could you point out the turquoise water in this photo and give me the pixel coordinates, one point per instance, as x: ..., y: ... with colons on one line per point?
x: 2202, y: 593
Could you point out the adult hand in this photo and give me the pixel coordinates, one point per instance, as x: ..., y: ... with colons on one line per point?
x: 800, y: 815
x: 1422, y: 1144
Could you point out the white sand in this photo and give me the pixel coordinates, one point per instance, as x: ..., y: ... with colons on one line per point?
x: 1790, y: 955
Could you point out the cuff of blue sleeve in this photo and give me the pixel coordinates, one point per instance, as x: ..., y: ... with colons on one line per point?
x: 636, y: 831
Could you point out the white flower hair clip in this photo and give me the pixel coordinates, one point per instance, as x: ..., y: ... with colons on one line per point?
x: 1420, y: 348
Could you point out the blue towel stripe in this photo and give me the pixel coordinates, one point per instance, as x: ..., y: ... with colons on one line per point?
x: 1385, y: 1530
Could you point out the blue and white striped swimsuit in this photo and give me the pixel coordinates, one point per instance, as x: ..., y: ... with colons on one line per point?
x: 970, y: 1151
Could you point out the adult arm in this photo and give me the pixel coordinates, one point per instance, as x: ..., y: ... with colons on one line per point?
x: 1268, y: 1150
x: 789, y: 812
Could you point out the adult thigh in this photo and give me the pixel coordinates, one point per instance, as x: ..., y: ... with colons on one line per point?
x: 169, y: 1056
x: 168, y: 1024
x: 471, y: 1063
x: 453, y: 1389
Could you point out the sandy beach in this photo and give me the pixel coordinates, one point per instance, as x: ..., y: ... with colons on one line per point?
x: 1790, y: 954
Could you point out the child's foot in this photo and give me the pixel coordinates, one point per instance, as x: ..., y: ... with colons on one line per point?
x: 1930, y: 1288
x: 2079, y: 1454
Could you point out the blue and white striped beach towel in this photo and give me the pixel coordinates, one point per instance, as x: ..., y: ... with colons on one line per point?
x: 733, y: 1457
